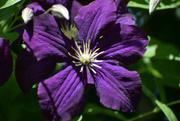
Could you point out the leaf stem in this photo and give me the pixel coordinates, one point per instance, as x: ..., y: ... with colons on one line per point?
x: 155, y: 110
x: 19, y: 25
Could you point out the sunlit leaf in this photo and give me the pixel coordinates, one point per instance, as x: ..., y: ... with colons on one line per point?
x: 10, y: 36
x: 7, y: 3
x: 7, y: 17
x: 165, y: 4
x: 167, y: 111
x: 151, y: 51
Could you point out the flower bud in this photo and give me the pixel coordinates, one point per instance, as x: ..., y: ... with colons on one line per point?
x: 27, y: 14
x: 60, y: 11
x: 153, y: 5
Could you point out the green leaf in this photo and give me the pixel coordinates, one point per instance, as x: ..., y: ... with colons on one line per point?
x: 93, y: 109
x: 5, y: 14
x: 165, y: 4
x: 7, y: 3
x: 163, y: 50
x: 167, y: 111
x: 10, y: 36
x: 162, y: 60
x: 7, y: 17
x: 151, y: 51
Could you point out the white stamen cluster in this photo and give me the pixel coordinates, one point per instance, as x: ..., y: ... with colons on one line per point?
x: 86, y: 57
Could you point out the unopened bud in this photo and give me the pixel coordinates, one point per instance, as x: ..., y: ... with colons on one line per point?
x: 60, y: 11
x: 27, y: 14
x: 153, y: 5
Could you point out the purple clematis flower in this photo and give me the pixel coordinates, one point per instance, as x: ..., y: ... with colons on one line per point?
x: 39, y: 7
x: 6, y: 62
x: 107, y: 36
x: 27, y: 66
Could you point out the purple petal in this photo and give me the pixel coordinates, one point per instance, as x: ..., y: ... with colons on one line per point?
x: 46, y: 4
x: 37, y: 11
x: 75, y: 8
x: 124, y: 43
x: 90, y: 79
x: 47, y: 41
x: 6, y: 62
x: 126, y: 19
x: 36, y: 8
x: 61, y: 97
x: 121, y: 6
x: 94, y: 17
x: 117, y: 87
x: 29, y: 71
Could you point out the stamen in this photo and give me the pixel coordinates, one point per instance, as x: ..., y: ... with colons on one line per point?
x: 92, y: 70
x: 76, y: 51
x: 97, y: 61
x: 94, y: 53
x: 95, y: 65
x: 78, y: 64
x: 81, y: 68
x: 73, y: 56
x: 78, y: 48
x: 97, y: 54
x: 85, y: 56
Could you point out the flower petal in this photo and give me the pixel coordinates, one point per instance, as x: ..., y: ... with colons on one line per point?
x: 75, y: 8
x: 47, y: 41
x: 29, y: 71
x: 36, y: 8
x: 97, y: 16
x: 92, y: 18
x: 46, y: 4
x: 125, y: 43
x: 124, y: 17
x: 6, y: 62
x: 117, y: 87
x: 61, y: 97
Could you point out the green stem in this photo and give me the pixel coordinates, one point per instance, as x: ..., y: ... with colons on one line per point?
x: 16, y: 18
x: 17, y: 26
x: 155, y: 110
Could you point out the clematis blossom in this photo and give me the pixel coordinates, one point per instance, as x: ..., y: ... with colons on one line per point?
x: 107, y: 36
x: 6, y: 62
x: 27, y: 64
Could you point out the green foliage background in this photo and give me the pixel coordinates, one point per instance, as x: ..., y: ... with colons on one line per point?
x: 159, y: 69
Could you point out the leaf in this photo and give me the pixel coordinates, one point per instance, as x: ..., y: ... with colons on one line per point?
x: 7, y: 3
x: 93, y: 109
x: 169, y: 70
x: 162, y: 60
x: 161, y: 49
x: 165, y: 4
x: 7, y: 17
x: 10, y: 36
x: 151, y: 51
x: 167, y: 111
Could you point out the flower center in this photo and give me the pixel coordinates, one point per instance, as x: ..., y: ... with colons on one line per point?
x: 85, y: 57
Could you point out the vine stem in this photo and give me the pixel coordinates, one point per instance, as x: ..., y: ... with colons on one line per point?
x: 22, y: 24
x: 155, y: 110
